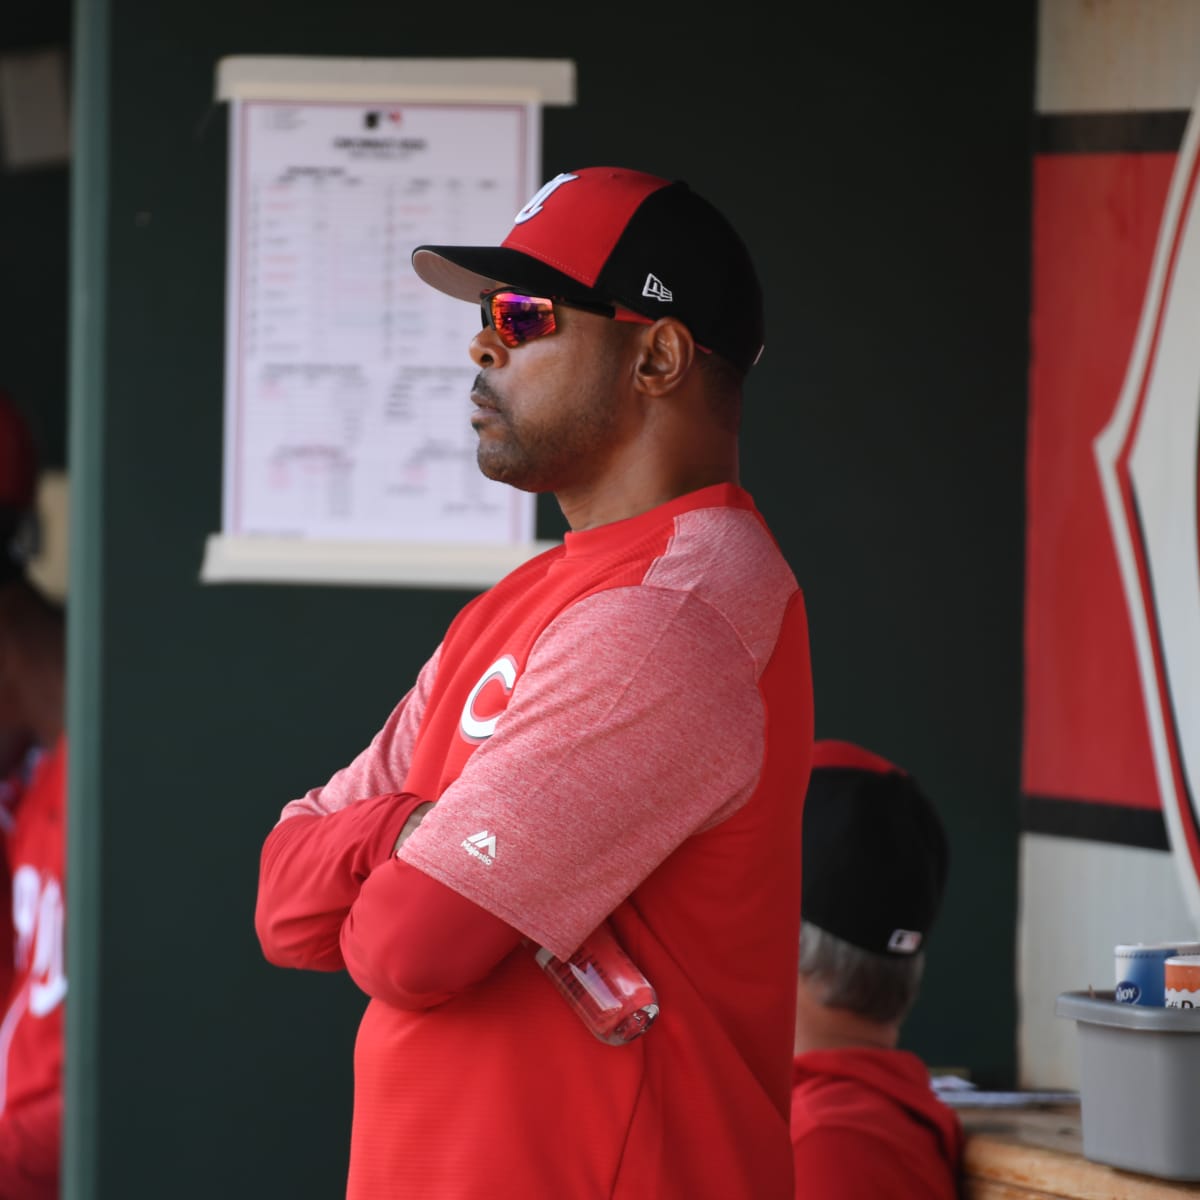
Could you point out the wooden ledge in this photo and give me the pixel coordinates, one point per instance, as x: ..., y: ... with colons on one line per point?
x: 1037, y: 1154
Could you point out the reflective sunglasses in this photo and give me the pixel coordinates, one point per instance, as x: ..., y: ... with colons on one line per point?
x: 518, y: 318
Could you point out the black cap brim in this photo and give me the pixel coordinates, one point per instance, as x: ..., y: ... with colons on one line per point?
x: 466, y: 272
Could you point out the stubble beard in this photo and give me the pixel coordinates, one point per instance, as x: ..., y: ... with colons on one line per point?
x: 548, y: 456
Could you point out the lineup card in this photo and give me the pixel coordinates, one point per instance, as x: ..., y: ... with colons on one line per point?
x: 347, y: 379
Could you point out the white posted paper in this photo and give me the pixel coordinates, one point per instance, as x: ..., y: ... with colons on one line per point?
x: 347, y: 378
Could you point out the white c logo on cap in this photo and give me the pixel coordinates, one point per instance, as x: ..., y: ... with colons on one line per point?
x: 534, y: 206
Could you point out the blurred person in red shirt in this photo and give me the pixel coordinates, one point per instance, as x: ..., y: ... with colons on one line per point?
x: 866, y: 1121
x: 33, y: 828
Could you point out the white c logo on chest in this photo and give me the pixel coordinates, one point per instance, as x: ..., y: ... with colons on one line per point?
x: 478, y: 729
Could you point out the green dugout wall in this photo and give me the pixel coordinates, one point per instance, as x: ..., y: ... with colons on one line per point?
x: 878, y: 161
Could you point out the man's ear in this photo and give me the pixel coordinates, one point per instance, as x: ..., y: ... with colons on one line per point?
x: 666, y: 352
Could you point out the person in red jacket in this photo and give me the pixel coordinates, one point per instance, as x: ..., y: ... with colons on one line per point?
x: 865, y: 1119
x: 602, y: 751
x: 33, y: 827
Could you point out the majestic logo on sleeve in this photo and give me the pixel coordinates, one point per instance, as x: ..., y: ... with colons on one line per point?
x: 487, y: 701
x: 481, y: 845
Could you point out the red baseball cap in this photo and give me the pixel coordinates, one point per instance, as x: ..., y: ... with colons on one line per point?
x: 616, y: 236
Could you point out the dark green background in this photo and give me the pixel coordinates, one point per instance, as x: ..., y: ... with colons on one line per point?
x: 877, y: 159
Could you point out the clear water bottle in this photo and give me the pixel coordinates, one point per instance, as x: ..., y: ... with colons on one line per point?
x: 604, y: 986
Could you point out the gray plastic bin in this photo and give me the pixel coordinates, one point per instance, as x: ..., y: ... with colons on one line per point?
x: 1139, y: 1084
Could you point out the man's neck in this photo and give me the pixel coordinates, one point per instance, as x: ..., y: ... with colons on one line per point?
x: 821, y: 1028
x: 634, y: 495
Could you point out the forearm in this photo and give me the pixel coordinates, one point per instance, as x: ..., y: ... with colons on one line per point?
x: 412, y: 942
x: 310, y: 872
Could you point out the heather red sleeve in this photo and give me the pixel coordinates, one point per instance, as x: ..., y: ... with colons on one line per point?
x: 29, y: 1149
x: 310, y: 872
x: 412, y: 942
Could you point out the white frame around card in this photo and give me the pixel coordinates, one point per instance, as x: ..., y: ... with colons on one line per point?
x: 233, y: 556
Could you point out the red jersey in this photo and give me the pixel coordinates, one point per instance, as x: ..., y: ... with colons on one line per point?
x: 867, y: 1123
x: 31, y: 1030
x: 621, y: 726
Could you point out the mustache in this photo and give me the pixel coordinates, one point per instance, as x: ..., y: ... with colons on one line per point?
x: 481, y: 389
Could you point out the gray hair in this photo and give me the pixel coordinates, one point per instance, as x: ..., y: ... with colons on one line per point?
x: 876, y: 986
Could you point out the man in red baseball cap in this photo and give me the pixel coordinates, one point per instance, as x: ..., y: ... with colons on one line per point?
x: 32, y: 824
x: 865, y: 1120
x: 603, y: 748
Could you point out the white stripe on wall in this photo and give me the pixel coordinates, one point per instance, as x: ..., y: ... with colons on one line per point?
x: 1078, y: 900
x: 1117, y: 55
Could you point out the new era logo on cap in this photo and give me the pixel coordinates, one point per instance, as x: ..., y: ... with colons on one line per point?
x: 656, y: 289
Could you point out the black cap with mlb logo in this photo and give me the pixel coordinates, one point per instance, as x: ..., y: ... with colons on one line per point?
x: 618, y: 236
x: 875, y: 853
